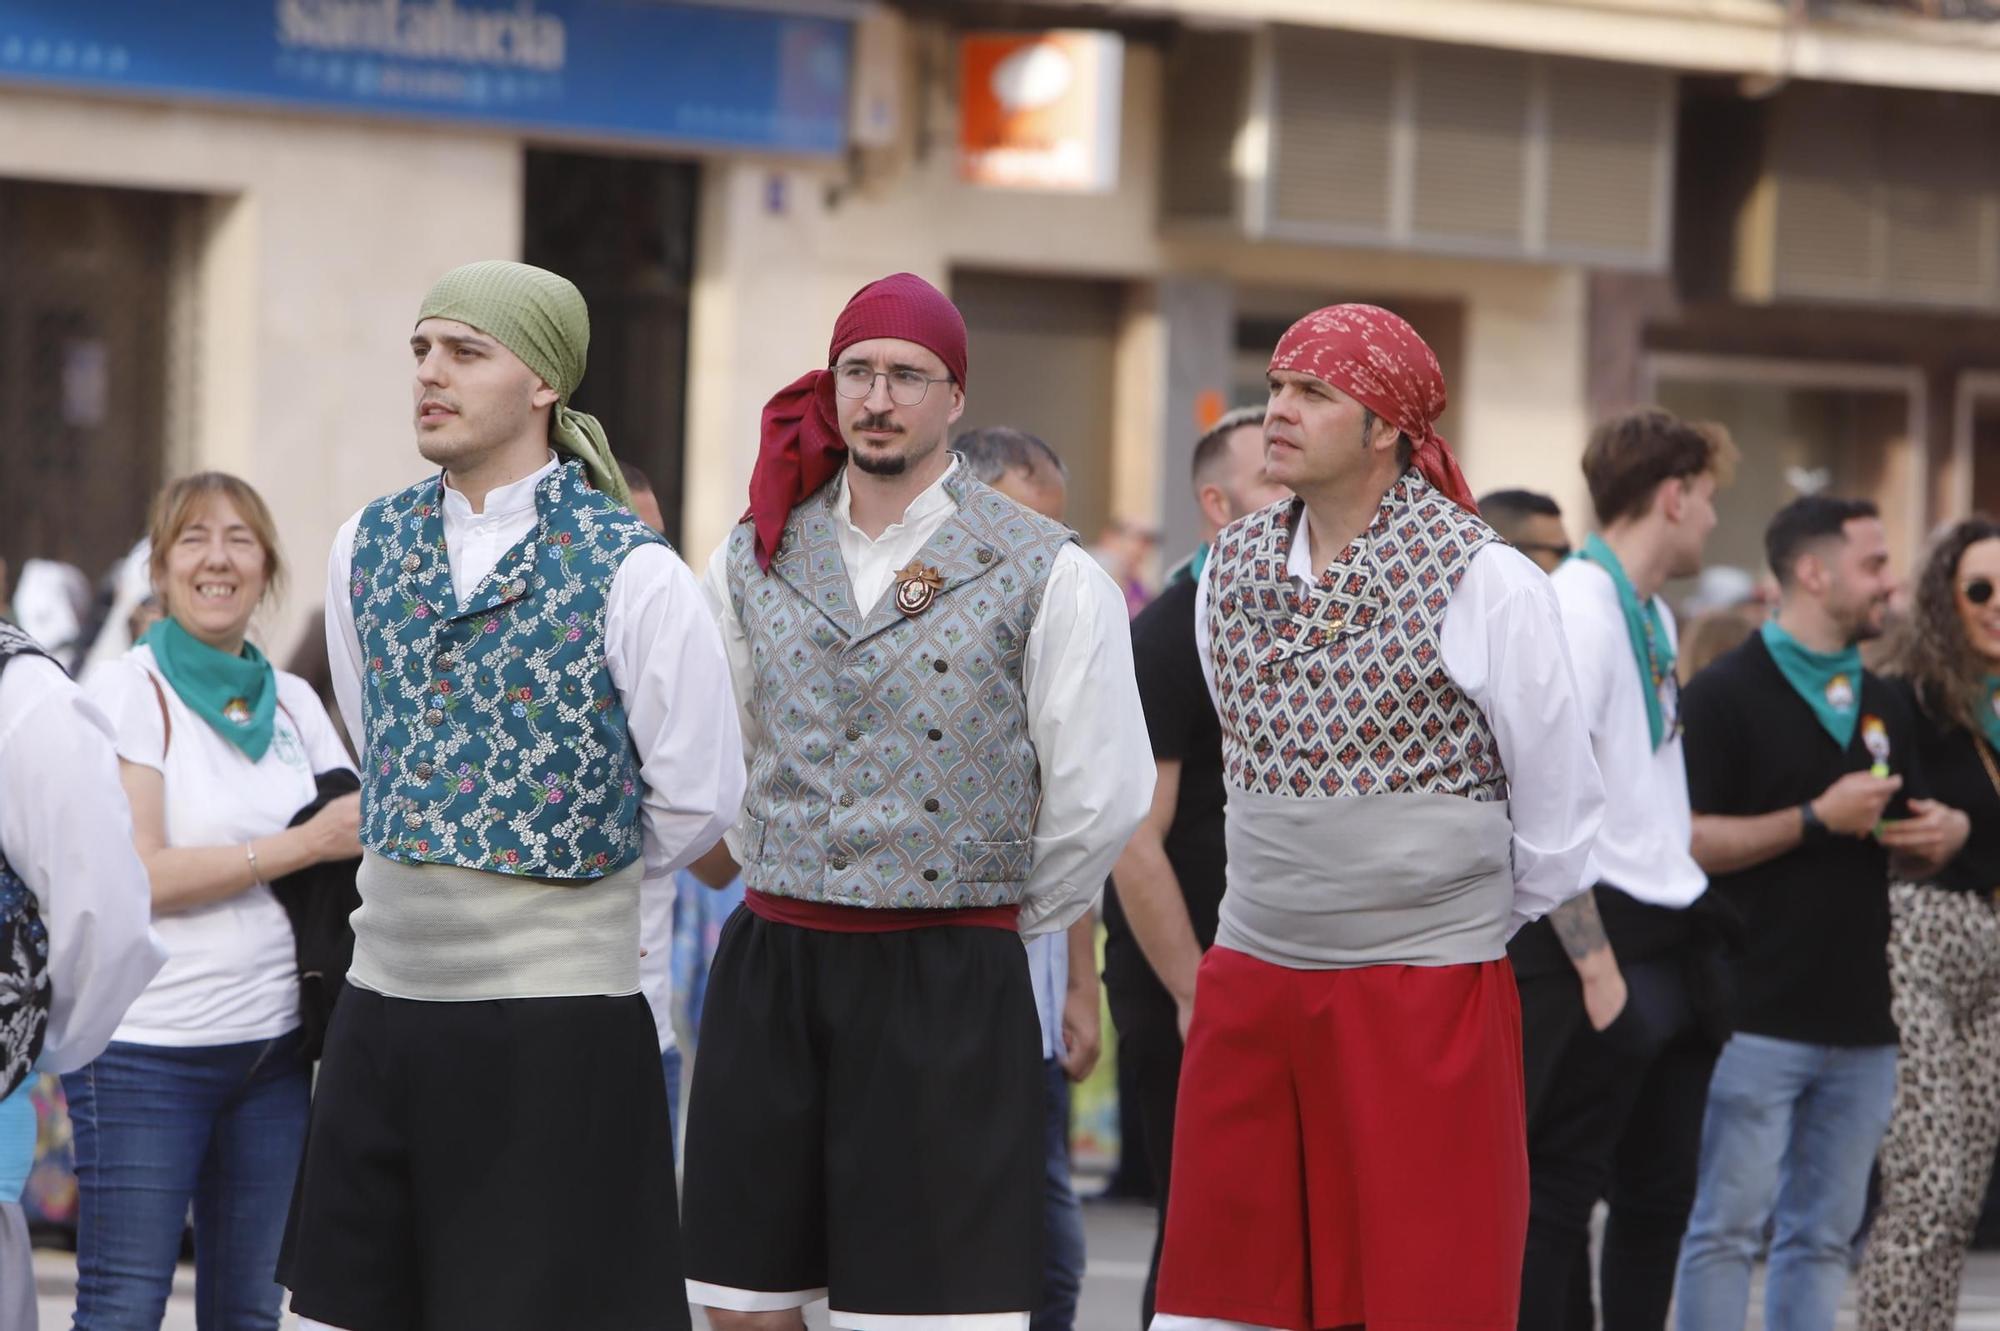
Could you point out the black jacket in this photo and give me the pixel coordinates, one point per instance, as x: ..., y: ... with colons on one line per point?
x: 319, y: 899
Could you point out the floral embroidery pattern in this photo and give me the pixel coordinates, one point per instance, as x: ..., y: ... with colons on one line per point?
x: 495, y: 737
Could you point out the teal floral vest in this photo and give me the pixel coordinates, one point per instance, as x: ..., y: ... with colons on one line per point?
x: 493, y: 736
x: 894, y: 768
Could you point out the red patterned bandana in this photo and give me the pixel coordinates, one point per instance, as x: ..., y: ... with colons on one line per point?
x: 800, y: 447
x: 1378, y: 360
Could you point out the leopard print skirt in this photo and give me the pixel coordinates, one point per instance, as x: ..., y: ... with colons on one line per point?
x: 1944, y: 971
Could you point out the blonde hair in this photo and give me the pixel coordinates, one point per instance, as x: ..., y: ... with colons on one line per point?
x: 177, y: 505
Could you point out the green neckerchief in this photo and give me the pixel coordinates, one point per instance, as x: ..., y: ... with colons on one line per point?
x: 1647, y: 629
x: 1989, y: 719
x: 1191, y: 567
x: 236, y: 695
x: 1830, y: 682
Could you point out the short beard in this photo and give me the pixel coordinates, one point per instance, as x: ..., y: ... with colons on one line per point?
x: 890, y: 464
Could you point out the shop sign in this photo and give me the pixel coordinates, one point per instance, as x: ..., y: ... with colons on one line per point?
x: 1040, y: 111
x: 703, y: 74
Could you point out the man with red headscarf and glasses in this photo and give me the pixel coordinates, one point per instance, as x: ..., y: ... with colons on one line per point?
x: 946, y: 752
x: 1409, y: 780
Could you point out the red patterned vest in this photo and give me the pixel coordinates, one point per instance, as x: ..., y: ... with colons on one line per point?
x: 1338, y: 687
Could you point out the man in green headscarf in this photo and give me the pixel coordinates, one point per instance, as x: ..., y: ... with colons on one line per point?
x: 531, y: 675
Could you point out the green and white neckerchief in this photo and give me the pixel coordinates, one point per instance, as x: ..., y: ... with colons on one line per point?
x: 236, y: 695
x: 1830, y: 682
x: 1647, y: 629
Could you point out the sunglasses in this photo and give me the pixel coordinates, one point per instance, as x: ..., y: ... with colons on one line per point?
x: 1979, y: 591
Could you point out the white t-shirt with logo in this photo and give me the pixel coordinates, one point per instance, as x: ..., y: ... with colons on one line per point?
x: 231, y: 974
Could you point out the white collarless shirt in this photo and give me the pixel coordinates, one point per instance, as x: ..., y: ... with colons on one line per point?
x: 1502, y: 644
x: 661, y: 650
x: 1646, y: 847
x: 1084, y: 717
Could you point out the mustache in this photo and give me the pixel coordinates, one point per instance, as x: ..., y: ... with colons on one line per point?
x: 877, y: 421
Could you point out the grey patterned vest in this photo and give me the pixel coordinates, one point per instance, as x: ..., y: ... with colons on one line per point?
x: 1338, y: 687
x: 895, y: 767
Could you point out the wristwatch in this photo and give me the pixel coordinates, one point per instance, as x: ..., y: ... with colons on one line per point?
x: 1810, y: 825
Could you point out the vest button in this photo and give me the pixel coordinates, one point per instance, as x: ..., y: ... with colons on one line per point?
x: 847, y: 800
x: 930, y: 806
x: 434, y: 718
x: 935, y: 734
x: 423, y: 771
x: 411, y: 563
x: 983, y: 555
x: 853, y: 733
x: 940, y: 665
x: 930, y: 875
x: 837, y: 862
x: 447, y: 662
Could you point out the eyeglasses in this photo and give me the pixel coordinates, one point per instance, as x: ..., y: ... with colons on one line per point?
x: 1979, y: 591
x: 906, y: 387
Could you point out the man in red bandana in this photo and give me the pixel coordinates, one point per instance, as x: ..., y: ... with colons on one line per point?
x: 1409, y: 779
x: 946, y: 752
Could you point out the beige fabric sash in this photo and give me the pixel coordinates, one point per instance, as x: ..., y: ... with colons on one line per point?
x: 443, y: 933
x: 1370, y: 880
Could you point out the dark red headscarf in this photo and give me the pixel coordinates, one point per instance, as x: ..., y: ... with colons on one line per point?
x: 800, y: 447
x: 1378, y: 360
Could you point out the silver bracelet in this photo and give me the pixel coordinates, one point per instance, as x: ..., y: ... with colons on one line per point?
x: 256, y: 874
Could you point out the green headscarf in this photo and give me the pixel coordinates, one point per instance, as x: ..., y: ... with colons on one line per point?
x: 540, y: 317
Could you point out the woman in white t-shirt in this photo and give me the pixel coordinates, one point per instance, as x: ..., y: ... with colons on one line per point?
x: 201, y: 1097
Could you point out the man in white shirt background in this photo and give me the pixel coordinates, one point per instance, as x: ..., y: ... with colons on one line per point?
x: 1618, y: 1000
x: 1062, y: 967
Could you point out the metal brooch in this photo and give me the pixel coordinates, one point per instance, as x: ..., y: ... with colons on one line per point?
x: 916, y: 587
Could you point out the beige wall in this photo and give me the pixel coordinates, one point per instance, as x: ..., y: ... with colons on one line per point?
x: 321, y: 237
x: 778, y: 252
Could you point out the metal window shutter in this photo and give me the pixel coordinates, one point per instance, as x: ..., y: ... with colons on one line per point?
x: 1333, y: 106
x: 1470, y: 113
x: 1207, y: 93
x: 1608, y: 144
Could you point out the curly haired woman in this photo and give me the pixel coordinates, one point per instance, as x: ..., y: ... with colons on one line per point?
x: 1944, y: 949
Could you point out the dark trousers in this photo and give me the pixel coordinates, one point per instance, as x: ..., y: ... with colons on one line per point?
x: 1149, y: 1035
x: 1615, y: 1115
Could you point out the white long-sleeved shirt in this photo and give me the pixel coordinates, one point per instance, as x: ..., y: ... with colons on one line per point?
x: 1084, y: 717
x: 67, y: 831
x: 1646, y: 846
x: 661, y: 650
x: 1502, y: 644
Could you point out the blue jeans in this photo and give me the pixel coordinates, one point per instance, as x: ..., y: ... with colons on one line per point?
x: 670, y: 1068
x: 1790, y: 1132
x: 157, y: 1128
x: 1062, y: 1215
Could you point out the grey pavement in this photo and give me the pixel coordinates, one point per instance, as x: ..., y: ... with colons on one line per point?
x: 1119, y: 1238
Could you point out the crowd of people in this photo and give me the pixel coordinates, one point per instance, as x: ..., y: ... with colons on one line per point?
x: 1449, y: 898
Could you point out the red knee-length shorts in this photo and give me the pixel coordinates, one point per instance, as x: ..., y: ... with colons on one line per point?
x: 1349, y: 1148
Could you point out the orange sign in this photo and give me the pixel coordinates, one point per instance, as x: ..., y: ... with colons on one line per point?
x: 1040, y: 110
